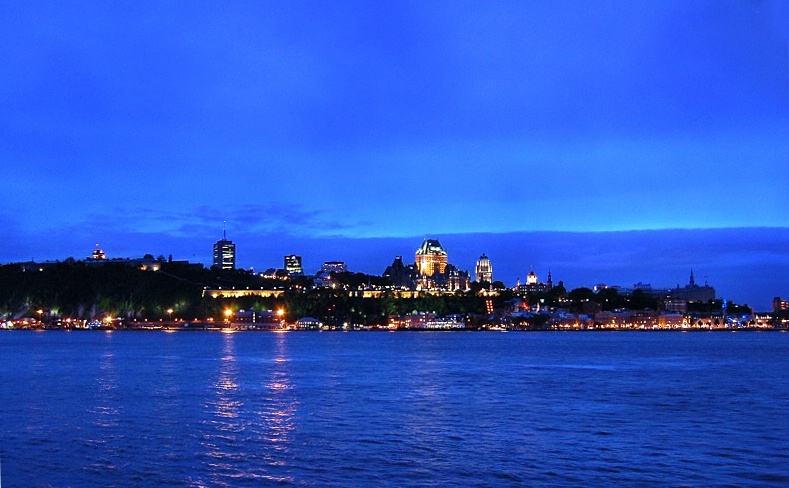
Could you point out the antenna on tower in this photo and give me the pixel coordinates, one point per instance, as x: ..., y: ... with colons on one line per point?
x: 224, y: 230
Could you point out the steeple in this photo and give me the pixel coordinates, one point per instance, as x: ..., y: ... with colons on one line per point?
x: 692, y: 279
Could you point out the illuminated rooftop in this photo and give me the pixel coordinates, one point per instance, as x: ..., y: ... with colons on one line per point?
x: 431, y: 246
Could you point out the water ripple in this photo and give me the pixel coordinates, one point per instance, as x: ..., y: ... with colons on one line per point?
x: 395, y: 410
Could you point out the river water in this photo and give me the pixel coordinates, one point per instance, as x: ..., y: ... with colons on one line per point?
x: 394, y: 409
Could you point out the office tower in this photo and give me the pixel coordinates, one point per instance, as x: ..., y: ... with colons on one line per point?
x: 224, y: 253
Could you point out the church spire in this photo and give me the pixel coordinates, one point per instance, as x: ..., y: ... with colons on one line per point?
x: 692, y: 279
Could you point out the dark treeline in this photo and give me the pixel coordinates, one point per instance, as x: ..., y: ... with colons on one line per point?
x: 81, y: 291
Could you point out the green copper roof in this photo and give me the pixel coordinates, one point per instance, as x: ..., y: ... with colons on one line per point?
x: 431, y: 246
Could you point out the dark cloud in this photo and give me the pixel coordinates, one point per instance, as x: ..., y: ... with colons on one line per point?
x: 272, y: 218
x: 208, y: 220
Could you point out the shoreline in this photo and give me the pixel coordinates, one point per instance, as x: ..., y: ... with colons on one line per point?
x: 378, y: 329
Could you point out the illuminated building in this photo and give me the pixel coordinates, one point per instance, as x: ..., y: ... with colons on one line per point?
x: 454, y: 321
x: 259, y: 319
x: 484, y: 270
x: 308, y: 323
x: 224, y: 253
x: 780, y: 316
x: 431, y: 258
x: 533, y: 284
x: 455, y: 279
x: 334, y: 266
x: 430, y: 272
x: 98, y: 254
x: 426, y: 320
x: 293, y: 264
x: 411, y: 321
x: 676, y: 305
x: 324, y: 279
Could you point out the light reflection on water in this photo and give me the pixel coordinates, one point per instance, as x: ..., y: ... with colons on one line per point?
x: 222, y: 431
x: 277, y: 417
x: 203, y: 409
x: 274, y: 419
x: 247, y: 434
x: 107, y: 409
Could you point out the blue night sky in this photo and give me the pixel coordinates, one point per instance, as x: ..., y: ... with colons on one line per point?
x: 585, y: 137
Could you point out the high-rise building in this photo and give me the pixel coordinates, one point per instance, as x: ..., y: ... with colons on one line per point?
x: 293, y: 264
x: 224, y: 253
x: 484, y: 269
x: 431, y: 258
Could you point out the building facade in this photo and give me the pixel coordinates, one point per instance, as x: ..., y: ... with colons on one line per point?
x: 693, y: 292
x: 400, y: 275
x: 533, y: 284
x: 430, y: 258
x: 454, y: 279
x: 224, y: 254
x: 431, y: 272
x: 334, y: 266
x: 293, y: 264
x: 98, y: 254
x: 484, y: 270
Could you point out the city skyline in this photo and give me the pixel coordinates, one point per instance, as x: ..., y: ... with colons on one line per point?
x: 588, y: 133
x: 579, y: 260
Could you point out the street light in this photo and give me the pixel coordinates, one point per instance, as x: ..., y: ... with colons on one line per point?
x: 170, y: 313
x: 228, y: 314
x: 40, y: 314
